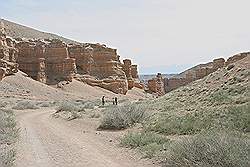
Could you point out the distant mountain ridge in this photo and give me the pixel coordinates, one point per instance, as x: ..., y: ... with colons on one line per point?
x: 15, y: 30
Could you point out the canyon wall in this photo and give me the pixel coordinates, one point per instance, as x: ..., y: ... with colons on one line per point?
x: 192, y: 74
x: 101, y: 66
x: 46, y: 61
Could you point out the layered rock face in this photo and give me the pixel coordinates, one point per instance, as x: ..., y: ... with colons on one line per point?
x: 31, y: 59
x: 156, y: 85
x: 101, y: 66
x: 46, y: 61
x: 59, y: 66
x: 51, y: 61
x: 8, y: 55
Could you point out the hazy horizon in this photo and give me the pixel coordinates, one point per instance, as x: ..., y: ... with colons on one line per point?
x: 160, y: 36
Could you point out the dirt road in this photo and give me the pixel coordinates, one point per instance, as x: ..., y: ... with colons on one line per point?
x: 49, y: 142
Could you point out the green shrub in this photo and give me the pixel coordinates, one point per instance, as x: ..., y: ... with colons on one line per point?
x: 70, y: 111
x: 8, y: 136
x: 122, y: 117
x: 149, y: 143
x: 220, y: 97
x: 213, y: 149
x: 23, y: 105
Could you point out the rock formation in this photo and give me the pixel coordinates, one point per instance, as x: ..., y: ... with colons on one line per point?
x: 99, y: 66
x: 8, y: 65
x: 156, y: 85
x: 194, y: 73
x: 237, y: 57
x: 46, y: 61
x: 31, y: 60
x: 59, y: 66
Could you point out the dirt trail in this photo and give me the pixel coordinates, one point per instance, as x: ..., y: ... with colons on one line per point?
x: 49, y: 142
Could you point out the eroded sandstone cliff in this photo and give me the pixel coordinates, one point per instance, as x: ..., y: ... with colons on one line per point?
x: 8, y: 55
x: 190, y: 75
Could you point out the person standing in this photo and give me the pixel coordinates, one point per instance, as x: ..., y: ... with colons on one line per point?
x: 103, y: 100
x: 116, y: 100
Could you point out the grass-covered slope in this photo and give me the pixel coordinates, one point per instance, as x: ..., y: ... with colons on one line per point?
x: 205, y: 123
x: 220, y: 100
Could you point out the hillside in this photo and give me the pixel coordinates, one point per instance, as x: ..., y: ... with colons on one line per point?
x: 201, y: 124
x: 19, y: 31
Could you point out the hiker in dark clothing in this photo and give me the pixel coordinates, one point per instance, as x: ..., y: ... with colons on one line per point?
x: 116, y: 101
x: 103, y: 100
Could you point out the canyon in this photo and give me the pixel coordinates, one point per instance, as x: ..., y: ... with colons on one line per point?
x: 52, y: 61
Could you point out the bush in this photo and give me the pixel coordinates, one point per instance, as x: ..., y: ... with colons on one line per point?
x: 149, y: 143
x: 8, y: 136
x: 122, y: 117
x: 23, y: 105
x: 212, y: 149
x: 68, y: 110
x: 46, y: 104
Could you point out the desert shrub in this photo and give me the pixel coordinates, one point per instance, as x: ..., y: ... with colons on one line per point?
x: 46, y: 104
x: 67, y: 106
x: 3, y: 104
x: 8, y: 136
x: 220, y: 97
x: 23, y: 105
x: 94, y: 115
x: 238, y: 118
x: 233, y: 118
x: 68, y: 110
x: 148, y: 143
x: 122, y: 117
x: 212, y: 149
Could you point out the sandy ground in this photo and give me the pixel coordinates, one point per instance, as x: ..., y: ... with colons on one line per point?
x: 47, y: 142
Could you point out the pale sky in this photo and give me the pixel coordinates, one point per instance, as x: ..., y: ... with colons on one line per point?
x: 165, y: 36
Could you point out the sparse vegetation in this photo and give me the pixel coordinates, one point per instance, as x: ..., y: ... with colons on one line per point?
x: 213, y: 149
x: 23, y: 105
x: 8, y: 137
x: 149, y: 143
x: 233, y: 118
x: 69, y: 110
x: 208, y: 124
x: 122, y: 117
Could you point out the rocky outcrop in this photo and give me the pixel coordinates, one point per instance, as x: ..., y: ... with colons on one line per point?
x: 51, y: 61
x: 156, y: 85
x: 99, y: 66
x: 83, y: 54
x: 8, y: 65
x: 59, y: 66
x: 31, y: 59
x: 127, y: 68
x: 116, y: 85
x: 46, y: 61
x: 237, y: 57
x: 195, y: 73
